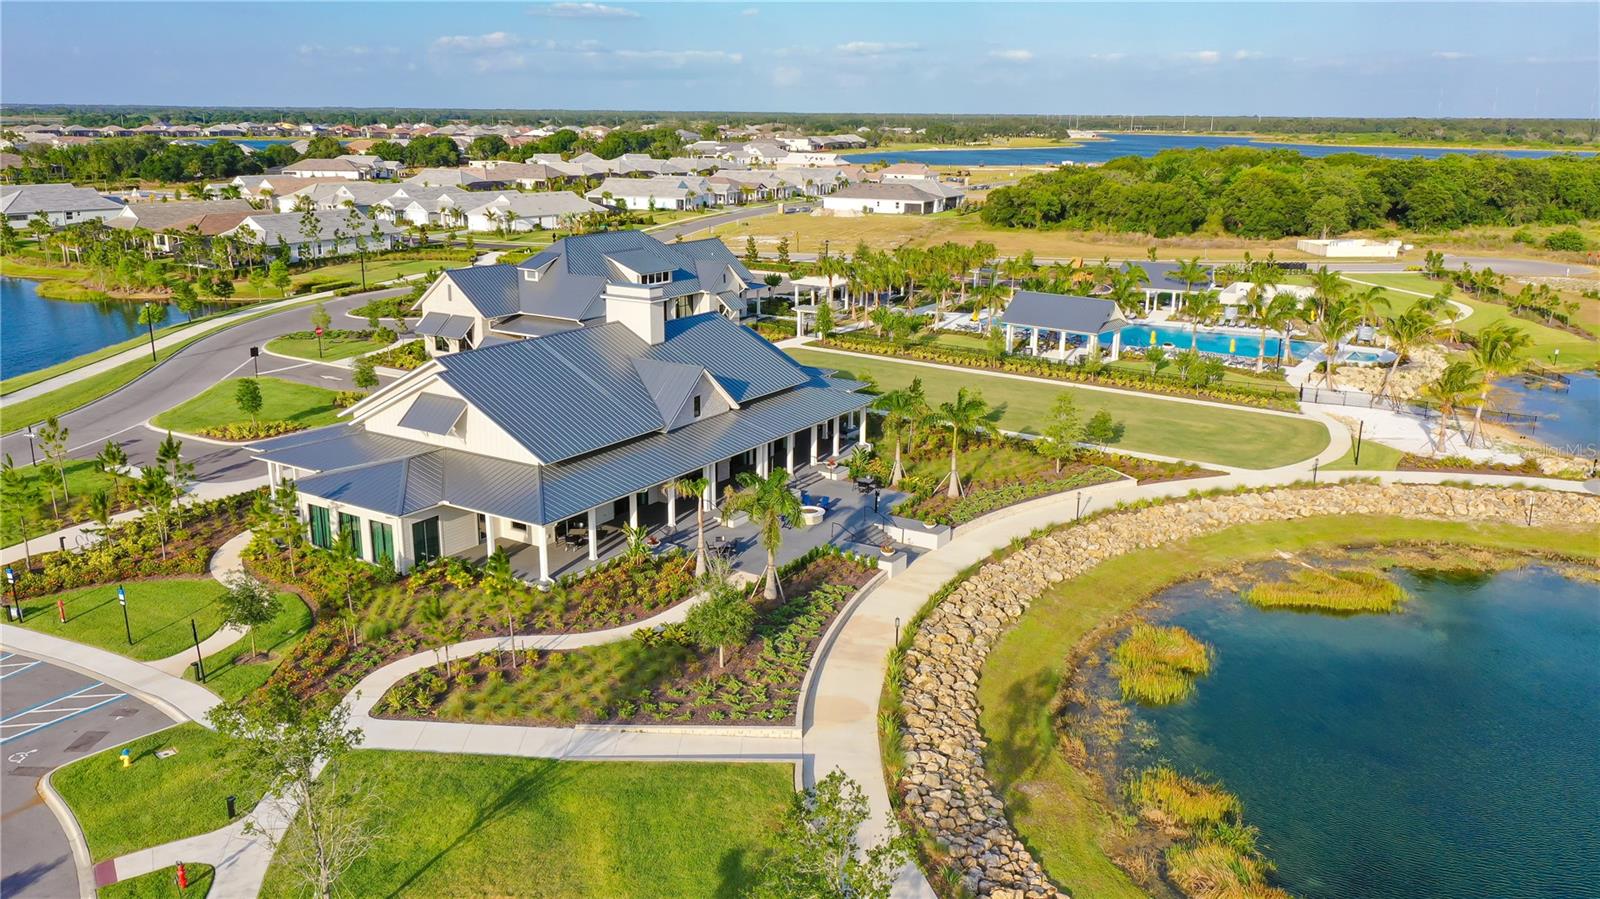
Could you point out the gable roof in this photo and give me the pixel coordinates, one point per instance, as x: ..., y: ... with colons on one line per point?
x: 179, y: 215
x: 1060, y: 312
x: 25, y: 199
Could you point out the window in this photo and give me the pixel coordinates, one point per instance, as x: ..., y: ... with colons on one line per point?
x: 382, y: 541
x: 655, y: 278
x: 425, y: 540
x: 441, y: 344
x: 321, y: 532
x: 697, y: 405
x: 683, y: 307
x: 350, y: 529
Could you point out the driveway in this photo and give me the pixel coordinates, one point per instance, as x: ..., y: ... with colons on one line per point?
x: 50, y: 716
x: 187, y: 374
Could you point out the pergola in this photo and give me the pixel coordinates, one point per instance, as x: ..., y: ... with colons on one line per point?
x: 1044, y: 313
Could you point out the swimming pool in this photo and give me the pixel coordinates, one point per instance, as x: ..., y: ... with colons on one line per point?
x: 1231, y: 343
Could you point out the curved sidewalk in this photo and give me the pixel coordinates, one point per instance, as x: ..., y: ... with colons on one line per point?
x: 224, y: 563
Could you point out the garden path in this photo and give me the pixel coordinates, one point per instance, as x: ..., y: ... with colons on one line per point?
x: 224, y: 563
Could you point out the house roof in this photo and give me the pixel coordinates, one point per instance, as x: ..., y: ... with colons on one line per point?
x: 1163, y: 275
x: 433, y: 413
x: 1059, y: 312
x: 440, y: 324
x: 26, y: 199
x: 179, y: 215
x: 904, y: 191
x: 270, y: 227
x: 538, y: 205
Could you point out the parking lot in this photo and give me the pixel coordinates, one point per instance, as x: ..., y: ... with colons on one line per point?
x: 50, y: 716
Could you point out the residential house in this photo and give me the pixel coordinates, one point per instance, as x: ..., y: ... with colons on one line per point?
x: 545, y: 447
x: 428, y: 205
x: 895, y: 198
x: 349, y: 166
x: 331, y: 237
x: 269, y: 187
x: 170, y: 223
x: 661, y: 192
x: 525, y: 212
x: 527, y: 175
x: 905, y: 171
x: 337, y: 194
x: 464, y: 178
x: 60, y: 204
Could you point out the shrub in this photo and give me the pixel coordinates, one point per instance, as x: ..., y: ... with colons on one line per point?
x: 1567, y: 240
x: 1353, y: 590
x: 405, y: 356
x: 250, y: 430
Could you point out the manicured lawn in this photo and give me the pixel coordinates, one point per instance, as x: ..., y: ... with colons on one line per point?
x: 332, y: 347
x: 461, y: 825
x: 1374, y: 457
x: 157, y: 800
x: 1057, y: 812
x: 1576, y: 350
x: 377, y: 270
x: 304, y: 404
x: 82, y: 481
x: 1236, y: 437
x: 163, y: 884
x: 232, y: 673
x: 158, y: 615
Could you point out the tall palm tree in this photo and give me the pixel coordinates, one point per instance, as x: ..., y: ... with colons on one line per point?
x: 1498, y: 352
x: 1371, y: 304
x: 1126, y: 294
x: 1326, y: 287
x: 1191, y: 272
x: 902, y: 410
x: 768, y: 501
x: 1406, y: 332
x: 993, y: 297
x: 1202, y: 307
x: 695, y: 488
x: 1458, y: 381
x: 1336, y: 319
x: 940, y: 283
x: 1273, y: 312
x: 963, y: 415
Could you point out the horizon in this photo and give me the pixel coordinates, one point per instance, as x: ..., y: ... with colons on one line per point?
x: 1411, y: 60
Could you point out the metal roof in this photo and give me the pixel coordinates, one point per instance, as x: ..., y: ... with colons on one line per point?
x: 440, y: 324
x: 742, y: 361
x: 491, y: 289
x: 1059, y: 312
x: 333, y: 447
x: 669, y: 384
x: 533, y: 326
x: 408, y: 486
x: 434, y: 413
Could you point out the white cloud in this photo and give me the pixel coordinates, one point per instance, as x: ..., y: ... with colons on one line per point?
x: 502, y: 51
x: 677, y: 59
x: 584, y: 11
x: 1449, y: 54
x: 751, y: 11
x: 872, y: 48
x: 1107, y: 57
x: 787, y: 76
x: 1012, y: 55
x: 497, y: 51
x: 494, y: 40
x: 1206, y: 57
x: 1247, y: 54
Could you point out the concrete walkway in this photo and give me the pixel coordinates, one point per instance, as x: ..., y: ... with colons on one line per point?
x: 179, y: 699
x: 225, y: 562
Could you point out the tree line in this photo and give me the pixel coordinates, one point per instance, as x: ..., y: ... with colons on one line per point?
x: 1278, y: 193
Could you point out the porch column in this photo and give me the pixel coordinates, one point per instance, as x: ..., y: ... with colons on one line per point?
x: 861, y: 432
x: 1010, y: 334
x: 764, y: 459
x: 838, y: 428
x: 594, y: 537
x: 710, y: 498
x: 1116, y: 345
x: 672, y: 507
x: 542, y: 534
x: 788, y: 453
x: 1033, y: 341
x: 1094, y: 345
x: 816, y: 442
x: 633, y: 509
x: 491, y: 532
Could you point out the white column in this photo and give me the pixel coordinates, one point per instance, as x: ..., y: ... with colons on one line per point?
x: 1116, y: 345
x: 838, y: 430
x: 542, y: 535
x: 764, y: 459
x: 861, y: 431
x: 594, y: 536
x: 1094, y: 344
x: 710, y: 498
x: 1033, y: 341
x: 491, y: 531
x: 672, y: 506
x: 1010, y: 334
x: 633, y: 510
x: 788, y: 453
x: 816, y: 443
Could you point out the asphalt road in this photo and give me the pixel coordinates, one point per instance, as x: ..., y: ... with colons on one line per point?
x: 122, y: 415
x: 50, y: 716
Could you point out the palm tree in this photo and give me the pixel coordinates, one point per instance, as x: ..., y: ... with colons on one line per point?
x: 1191, y: 272
x: 1274, y: 313
x: 964, y: 415
x: 1126, y: 294
x: 1326, y: 287
x: 1336, y: 319
x: 1458, y: 381
x: 1406, y: 332
x: 940, y: 283
x: 1371, y: 304
x: 695, y: 488
x: 1497, y: 352
x: 768, y: 501
x: 993, y: 297
x: 1200, y: 307
x: 902, y: 410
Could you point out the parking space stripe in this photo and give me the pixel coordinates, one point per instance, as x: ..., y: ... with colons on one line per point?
x: 15, y: 715
x: 17, y: 668
x: 73, y: 714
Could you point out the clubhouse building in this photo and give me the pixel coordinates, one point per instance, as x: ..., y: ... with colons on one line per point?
x: 624, y: 372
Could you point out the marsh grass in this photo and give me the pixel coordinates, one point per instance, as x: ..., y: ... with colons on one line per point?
x: 1158, y: 665
x: 1350, y: 590
x: 1210, y: 869
x: 1215, y: 856
x: 1163, y: 792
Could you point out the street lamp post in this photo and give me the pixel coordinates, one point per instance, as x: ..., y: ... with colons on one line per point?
x: 122, y: 600
x: 32, y: 459
x: 11, y: 581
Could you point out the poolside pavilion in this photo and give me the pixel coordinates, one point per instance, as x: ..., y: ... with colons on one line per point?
x: 1054, y: 320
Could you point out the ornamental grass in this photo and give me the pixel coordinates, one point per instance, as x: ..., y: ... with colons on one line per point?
x: 1158, y: 665
x: 1184, y: 800
x: 1348, y: 591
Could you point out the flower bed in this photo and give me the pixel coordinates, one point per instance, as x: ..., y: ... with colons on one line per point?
x: 1463, y: 465
x: 656, y: 677
x: 251, y: 430
x: 1108, y: 377
x: 131, y: 550
x: 984, y: 497
x: 404, y: 356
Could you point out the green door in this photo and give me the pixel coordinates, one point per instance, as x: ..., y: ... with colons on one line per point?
x: 425, y: 540
x: 382, y: 541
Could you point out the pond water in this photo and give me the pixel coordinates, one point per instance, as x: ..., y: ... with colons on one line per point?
x: 1115, y: 145
x: 36, y: 332
x: 1569, y: 420
x: 1448, y: 750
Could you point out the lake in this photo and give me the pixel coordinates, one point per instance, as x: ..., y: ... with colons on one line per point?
x: 1569, y: 420
x: 1116, y: 145
x: 1448, y: 750
x: 36, y: 332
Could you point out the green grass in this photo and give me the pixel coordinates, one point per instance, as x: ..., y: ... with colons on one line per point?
x: 158, y: 615
x: 1159, y: 665
x: 163, y: 884
x: 1182, y: 799
x: 1374, y: 457
x: 304, y: 404
x: 377, y: 270
x: 459, y: 825
x: 1235, y: 437
x: 332, y: 347
x: 1057, y: 812
x: 157, y: 800
x: 1349, y: 591
x: 1576, y: 350
x: 233, y: 673
x: 82, y: 481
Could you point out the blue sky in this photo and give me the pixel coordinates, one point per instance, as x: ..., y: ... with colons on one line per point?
x: 1285, y: 58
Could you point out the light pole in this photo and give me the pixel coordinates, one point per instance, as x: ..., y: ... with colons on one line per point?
x: 11, y: 581
x: 122, y: 600
x: 32, y: 459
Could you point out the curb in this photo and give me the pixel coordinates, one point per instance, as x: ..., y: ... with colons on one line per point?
x: 87, y: 870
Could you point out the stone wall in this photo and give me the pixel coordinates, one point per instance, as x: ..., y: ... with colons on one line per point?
x: 944, y: 786
x: 1426, y: 364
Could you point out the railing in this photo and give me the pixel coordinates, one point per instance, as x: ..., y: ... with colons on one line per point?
x: 1537, y: 372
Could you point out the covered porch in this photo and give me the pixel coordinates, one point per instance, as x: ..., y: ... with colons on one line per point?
x: 1063, y: 328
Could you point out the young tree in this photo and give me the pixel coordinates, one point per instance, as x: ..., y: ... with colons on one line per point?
x: 22, y: 494
x: 296, y: 748
x: 169, y: 455
x: 723, y: 619
x: 504, y: 591
x: 824, y: 324
x: 963, y: 415
x: 783, y: 251
x: 150, y: 315
x: 1063, y: 433
x: 248, y: 604
x: 1335, y: 319
x: 751, y: 257
x: 364, y: 375
x: 768, y: 501
x: 902, y: 411
x: 1102, y: 429
x: 183, y: 296
x: 320, y: 320
x: 1459, y: 380
x: 694, y: 489
x: 1406, y: 332
x: 1157, y: 357
x: 156, y: 498
x: 101, y: 508
x: 818, y: 854
x: 278, y: 274
x: 247, y: 395
x: 258, y: 281
x: 276, y: 516
x: 53, y: 443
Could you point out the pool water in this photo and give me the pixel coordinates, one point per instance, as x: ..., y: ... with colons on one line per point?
x: 1230, y: 344
x: 1446, y: 750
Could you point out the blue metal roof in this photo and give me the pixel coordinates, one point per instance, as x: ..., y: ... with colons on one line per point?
x: 492, y: 289
x: 1060, y: 312
x: 742, y: 361
x: 333, y: 447
x: 433, y: 413
x: 669, y: 384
